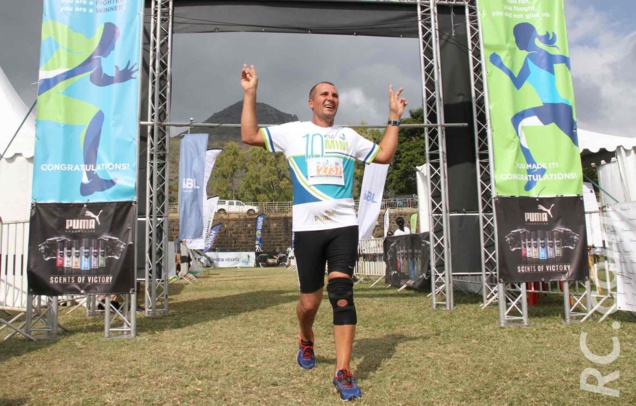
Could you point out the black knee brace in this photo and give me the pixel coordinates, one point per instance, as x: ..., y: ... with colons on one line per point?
x: 341, y: 297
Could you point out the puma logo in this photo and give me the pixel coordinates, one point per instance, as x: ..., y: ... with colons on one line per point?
x: 89, y: 213
x: 549, y: 211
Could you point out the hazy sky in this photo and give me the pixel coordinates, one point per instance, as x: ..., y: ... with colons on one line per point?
x: 206, y: 67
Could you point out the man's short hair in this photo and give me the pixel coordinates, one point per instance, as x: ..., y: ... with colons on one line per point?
x: 313, y: 89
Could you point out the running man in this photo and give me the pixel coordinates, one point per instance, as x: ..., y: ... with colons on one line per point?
x: 79, y: 57
x: 321, y: 158
x: 538, y: 72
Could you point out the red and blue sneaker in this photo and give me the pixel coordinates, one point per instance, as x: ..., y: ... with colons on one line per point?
x: 346, y: 385
x: 306, y: 357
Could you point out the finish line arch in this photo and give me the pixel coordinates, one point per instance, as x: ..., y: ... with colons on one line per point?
x: 432, y: 22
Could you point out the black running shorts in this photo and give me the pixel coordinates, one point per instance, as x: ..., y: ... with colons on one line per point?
x: 338, y: 248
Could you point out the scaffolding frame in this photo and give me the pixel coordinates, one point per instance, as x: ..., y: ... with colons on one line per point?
x: 159, y: 86
x: 484, y: 157
x: 511, y: 297
x: 433, y: 102
x: 435, y: 138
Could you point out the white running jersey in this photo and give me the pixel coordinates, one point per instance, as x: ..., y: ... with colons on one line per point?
x: 321, y: 161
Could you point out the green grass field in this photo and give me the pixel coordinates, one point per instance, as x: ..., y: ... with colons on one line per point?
x: 231, y: 339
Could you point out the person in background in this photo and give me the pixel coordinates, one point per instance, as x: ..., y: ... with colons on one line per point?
x: 402, y: 229
x: 290, y: 256
x: 321, y: 157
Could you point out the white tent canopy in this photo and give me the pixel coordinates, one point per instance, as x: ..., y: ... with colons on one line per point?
x: 595, y: 142
x: 616, y: 178
x: 16, y: 165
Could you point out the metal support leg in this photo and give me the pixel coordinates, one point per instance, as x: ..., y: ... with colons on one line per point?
x: 566, y: 301
x: 513, y: 304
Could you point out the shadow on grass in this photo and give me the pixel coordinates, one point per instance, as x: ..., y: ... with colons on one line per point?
x: 174, y: 288
x: 198, y: 311
x: 181, y: 313
x: 189, y: 313
x: 239, y: 278
x: 17, y: 349
x: 375, y: 351
x: 13, y: 402
x: 369, y: 294
x: 462, y: 298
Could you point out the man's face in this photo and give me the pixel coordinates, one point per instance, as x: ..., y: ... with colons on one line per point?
x: 324, y: 102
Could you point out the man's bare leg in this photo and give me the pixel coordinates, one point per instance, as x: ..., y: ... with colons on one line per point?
x: 343, y: 336
x: 306, y: 311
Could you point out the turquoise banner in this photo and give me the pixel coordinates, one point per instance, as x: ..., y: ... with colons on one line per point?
x: 88, y: 101
x: 530, y: 96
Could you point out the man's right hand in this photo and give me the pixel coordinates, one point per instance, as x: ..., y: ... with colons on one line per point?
x: 249, y: 80
x: 249, y: 125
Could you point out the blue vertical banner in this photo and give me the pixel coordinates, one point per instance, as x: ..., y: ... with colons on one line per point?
x: 88, y: 102
x: 208, y: 205
x: 191, y: 185
x: 210, y: 238
x: 258, y: 243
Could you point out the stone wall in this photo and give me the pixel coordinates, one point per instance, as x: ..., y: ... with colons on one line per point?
x: 238, y: 232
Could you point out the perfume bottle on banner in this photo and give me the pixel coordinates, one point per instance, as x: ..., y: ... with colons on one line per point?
x: 418, y: 263
x: 542, y: 244
x: 85, y: 257
x: 533, y: 246
x: 94, y: 256
x: 68, y: 257
x: 524, y: 247
x: 558, y: 244
x: 59, y: 255
x: 550, y: 239
x: 529, y: 249
x: 101, y: 246
x: 411, y: 264
x: 76, y: 257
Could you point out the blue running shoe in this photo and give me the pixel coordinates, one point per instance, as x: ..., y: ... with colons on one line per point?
x: 306, y: 357
x: 346, y: 385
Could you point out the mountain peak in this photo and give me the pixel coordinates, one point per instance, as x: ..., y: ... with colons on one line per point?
x: 220, y: 136
x: 266, y: 114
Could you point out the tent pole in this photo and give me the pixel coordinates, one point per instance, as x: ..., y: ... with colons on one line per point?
x: 18, y: 130
x: 600, y: 188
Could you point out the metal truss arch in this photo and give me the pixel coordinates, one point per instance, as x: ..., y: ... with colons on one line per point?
x: 433, y: 104
x: 156, y: 271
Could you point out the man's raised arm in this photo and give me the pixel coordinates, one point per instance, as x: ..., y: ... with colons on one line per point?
x: 388, y: 144
x: 249, y: 124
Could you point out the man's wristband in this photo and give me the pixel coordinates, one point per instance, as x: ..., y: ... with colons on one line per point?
x: 394, y: 122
